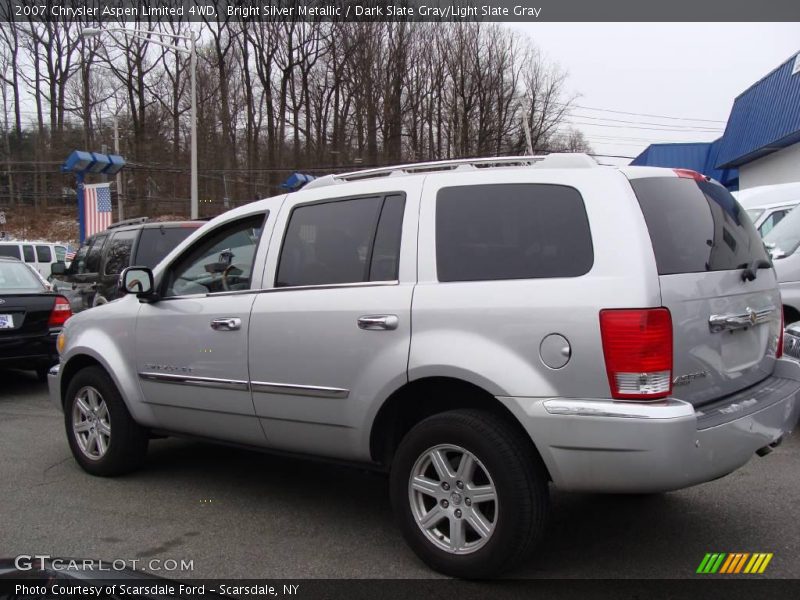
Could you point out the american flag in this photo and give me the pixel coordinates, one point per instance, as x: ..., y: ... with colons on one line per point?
x: 96, y: 207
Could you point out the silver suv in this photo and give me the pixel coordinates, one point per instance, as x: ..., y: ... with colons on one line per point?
x: 481, y: 329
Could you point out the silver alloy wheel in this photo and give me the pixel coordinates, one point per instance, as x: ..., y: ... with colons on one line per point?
x: 453, y: 499
x: 91, y: 424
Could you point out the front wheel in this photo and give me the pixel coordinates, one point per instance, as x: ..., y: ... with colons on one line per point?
x: 103, y: 437
x: 470, y: 493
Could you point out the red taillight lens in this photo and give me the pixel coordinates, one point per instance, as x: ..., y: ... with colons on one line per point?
x: 637, y: 345
x: 779, y: 350
x: 61, y: 312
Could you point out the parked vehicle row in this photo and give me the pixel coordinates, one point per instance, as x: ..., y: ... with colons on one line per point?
x: 92, y: 277
x: 479, y: 328
x: 39, y: 255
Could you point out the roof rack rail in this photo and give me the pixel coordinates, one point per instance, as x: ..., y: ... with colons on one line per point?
x: 136, y: 221
x: 561, y: 160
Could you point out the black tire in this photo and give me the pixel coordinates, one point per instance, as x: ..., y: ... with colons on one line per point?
x: 127, y: 445
x: 520, y: 481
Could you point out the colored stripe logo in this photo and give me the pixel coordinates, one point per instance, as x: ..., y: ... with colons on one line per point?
x: 734, y: 563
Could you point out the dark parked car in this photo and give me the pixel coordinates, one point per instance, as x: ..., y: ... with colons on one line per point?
x: 91, y: 278
x: 31, y: 317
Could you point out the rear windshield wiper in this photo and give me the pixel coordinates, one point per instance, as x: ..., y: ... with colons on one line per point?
x: 751, y: 269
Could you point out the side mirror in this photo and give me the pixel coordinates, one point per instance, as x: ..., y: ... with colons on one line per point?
x: 139, y: 281
x: 58, y: 268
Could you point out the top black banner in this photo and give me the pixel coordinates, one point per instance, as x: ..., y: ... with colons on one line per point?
x: 98, y: 11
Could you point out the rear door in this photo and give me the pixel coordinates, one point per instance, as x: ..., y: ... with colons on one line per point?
x: 725, y: 327
x: 330, y: 340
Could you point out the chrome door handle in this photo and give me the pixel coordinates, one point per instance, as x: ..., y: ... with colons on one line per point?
x: 378, y: 322
x: 226, y: 324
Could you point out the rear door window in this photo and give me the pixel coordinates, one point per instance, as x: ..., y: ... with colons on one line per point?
x: 696, y: 226
x: 511, y: 231
x: 351, y: 240
x: 118, y: 255
x: 28, y: 254
x: 94, y: 255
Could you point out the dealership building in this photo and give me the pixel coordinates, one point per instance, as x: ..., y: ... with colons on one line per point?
x: 761, y: 143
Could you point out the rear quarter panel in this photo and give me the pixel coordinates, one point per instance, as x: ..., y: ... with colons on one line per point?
x: 489, y: 332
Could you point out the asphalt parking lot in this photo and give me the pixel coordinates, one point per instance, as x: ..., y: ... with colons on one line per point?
x: 243, y: 514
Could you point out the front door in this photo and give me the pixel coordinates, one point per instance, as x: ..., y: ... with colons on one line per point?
x: 191, y: 345
x: 331, y: 338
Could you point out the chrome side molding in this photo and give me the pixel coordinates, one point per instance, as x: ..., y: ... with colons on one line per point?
x: 264, y: 387
x: 267, y: 387
x: 748, y: 318
x: 206, y: 382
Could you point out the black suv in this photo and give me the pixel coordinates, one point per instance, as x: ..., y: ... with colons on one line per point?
x: 91, y: 278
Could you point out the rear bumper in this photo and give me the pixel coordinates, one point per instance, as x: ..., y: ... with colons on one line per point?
x: 29, y: 352
x: 604, y: 446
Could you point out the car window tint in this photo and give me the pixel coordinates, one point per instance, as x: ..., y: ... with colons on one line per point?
x: 9, y: 250
x: 157, y: 242
x: 221, y: 261
x: 28, y: 254
x: 118, y: 253
x: 92, y: 264
x: 386, y: 251
x: 511, y: 231
x: 78, y: 264
x: 61, y: 253
x: 332, y: 242
x: 696, y: 226
x: 43, y: 254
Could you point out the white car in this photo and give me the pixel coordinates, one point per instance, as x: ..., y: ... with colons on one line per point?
x: 767, y: 205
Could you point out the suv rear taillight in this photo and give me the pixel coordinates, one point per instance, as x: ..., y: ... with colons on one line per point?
x: 637, y: 345
x: 779, y: 349
x: 60, y: 313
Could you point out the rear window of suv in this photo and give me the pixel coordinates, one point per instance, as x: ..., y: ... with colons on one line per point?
x: 696, y: 226
x: 511, y: 231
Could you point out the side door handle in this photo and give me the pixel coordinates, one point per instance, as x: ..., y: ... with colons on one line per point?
x: 378, y: 322
x: 226, y: 324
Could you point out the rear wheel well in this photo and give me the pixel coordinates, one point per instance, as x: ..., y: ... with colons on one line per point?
x: 75, y: 365
x: 423, y: 398
x: 790, y: 314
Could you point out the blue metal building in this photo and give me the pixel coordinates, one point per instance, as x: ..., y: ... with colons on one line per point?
x: 761, y: 143
x: 762, y: 137
x: 697, y: 156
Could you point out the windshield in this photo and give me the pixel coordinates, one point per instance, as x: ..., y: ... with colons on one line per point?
x: 16, y: 278
x: 784, y: 238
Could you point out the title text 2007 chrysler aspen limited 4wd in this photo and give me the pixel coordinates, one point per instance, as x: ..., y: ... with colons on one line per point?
x: 481, y: 328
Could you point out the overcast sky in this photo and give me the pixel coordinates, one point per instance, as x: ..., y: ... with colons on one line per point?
x: 688, y: 70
